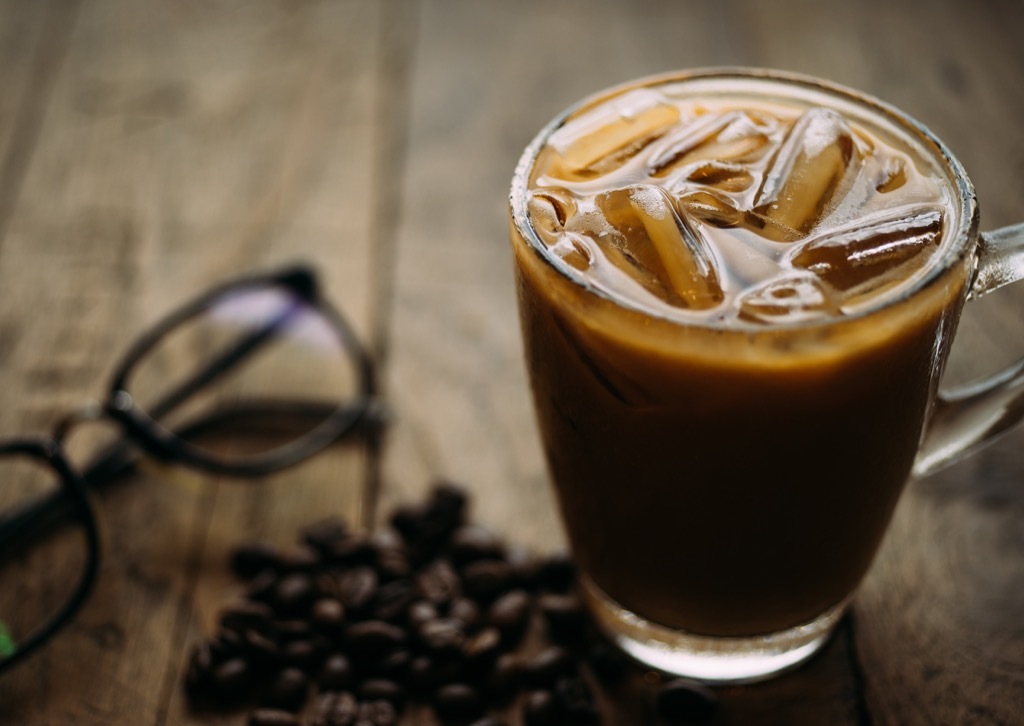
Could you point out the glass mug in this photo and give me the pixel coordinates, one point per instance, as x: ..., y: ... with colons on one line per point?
x: 725, y: 478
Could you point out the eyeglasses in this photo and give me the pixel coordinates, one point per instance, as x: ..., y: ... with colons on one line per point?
x: 255, y: 376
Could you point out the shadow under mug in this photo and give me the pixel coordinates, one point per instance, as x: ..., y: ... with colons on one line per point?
x: 725, y: 489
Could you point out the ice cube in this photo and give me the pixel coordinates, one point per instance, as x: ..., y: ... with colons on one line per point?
x: 869, y: 252
x: 550, y: 209
x: 624, y: 124
x: 791, y: 298
x: 810, y: 170
x: 730, y: 136
x: 721, y: 175
x: 667, y: 243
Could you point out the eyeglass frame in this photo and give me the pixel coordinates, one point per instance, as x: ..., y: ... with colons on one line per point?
x: 141, y: 431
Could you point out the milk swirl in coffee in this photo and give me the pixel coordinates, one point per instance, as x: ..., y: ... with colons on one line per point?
x: 726, y: 209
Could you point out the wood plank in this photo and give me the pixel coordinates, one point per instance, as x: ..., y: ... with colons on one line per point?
x: 183, y: 145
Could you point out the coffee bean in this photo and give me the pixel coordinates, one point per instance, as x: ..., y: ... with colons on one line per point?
x: 438, y: 583
x: 328, y: 616
x: 381, y: 689
x: 230, y: 679
x: 393, y: 600
x: 297, y: 558
x: 261, y: 588
x: 377, y: 713
x: 442, y: 637
x: 352, y: 551
x: 505, y: 678
x: 466, y: 611
x: 607, y: 662
x: 294, y: 629
x: 198, y: 673
x: 489, y: 721
x: 539, y: 709
x: 523, y: 566
x: 294, y: 594
x: 226, y: 644
x: 392, y: 666
x: 419, y: 612
x: 484, y: 580
x: 335, y: 709
x: 373, y: 638
x: 273, y: 717
x: 324, y: 534
x: 482, y: 649
x: 544, y: 669
x: 556, y: 572
x: 472, y: 542
x: 458, y: 701
x: 575, y: 701
x: 247, y: 615
x: 355, y: 588
x: 510, y: 614
x: 305, y: 655
x: 249, y: 559
x: 336, y: 674
x: 287, y: 690
x: 683, y: 701
x: 565, y: 617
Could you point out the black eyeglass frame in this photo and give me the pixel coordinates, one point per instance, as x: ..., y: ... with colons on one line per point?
x: 140, y: 428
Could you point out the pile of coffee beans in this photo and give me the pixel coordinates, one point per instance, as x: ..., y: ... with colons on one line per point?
x: 432, y: 612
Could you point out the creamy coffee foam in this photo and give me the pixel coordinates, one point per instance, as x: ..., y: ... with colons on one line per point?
x: 729, y: 207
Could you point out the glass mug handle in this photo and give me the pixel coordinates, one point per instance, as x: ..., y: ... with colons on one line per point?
x: 966, y: 418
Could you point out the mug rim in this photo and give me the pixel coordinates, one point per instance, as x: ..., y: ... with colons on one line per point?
x: 958, y: 243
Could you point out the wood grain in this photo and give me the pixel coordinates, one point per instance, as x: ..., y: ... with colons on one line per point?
x: 148, y: 150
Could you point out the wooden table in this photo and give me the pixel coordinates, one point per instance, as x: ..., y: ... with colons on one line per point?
x: 149, y: 150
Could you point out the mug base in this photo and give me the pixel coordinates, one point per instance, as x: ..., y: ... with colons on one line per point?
x: 708, y: 658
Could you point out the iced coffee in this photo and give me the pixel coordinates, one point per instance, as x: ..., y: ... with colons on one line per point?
x: 734, y: 318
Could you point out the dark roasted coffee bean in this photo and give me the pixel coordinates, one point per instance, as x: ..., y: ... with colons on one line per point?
x: 682, y: 701
x: 393, y: 563
x: 336, y: 674
x: 306, y: 655
x: 293, y: 629
x: 287, y: 690
x: 458, y: 701
x: 505, y: 678
x: 374, y: 638
x: 545, y: 668
x: 356, y: 589
x: 540, y: 709
x: 376, y: 713
x: 264, y: 652
x: 472, y: 542
x: 523, y: 566
x: 352, y: 551
x: 575, y: 701
x: 419, y: 612
x: 466, y: 611
x: 564, y: 616
x: 298, y: 558
x: 510, y: 614
x: 261, y: 588
x: 249, y: 559
x: 226, y: 644
x: 438, y: 583
x: 382, y: 689
x: 481, y: 650
x: 556, y: 572
x: 427, y: 674
x: 442, y: 637
x: 484, y: 580
x: 449, y: 499
x: 294, y: 594
x: 324, y: 534
x: 335, y: 708
x: 489, y: 721
x: 273, y: 717
x: 200, y: 668
x: 247, y: 615
x: 327, y: 616
x: 393, y: 600
x: 230, y: 679
x: 393, y: 666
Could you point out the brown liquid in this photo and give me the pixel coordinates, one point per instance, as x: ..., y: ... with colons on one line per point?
x: 727, y: 461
